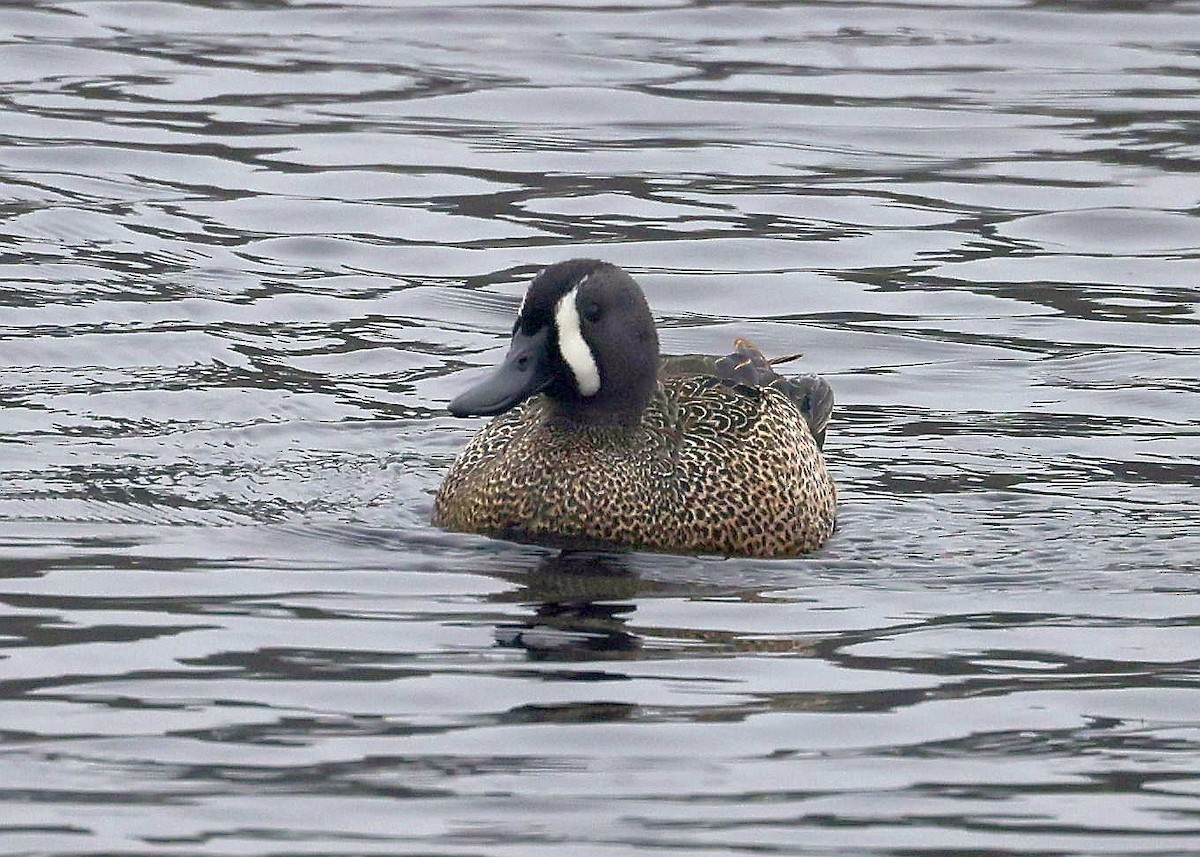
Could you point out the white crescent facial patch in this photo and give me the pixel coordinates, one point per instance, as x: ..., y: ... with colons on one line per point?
x: 574, y: 349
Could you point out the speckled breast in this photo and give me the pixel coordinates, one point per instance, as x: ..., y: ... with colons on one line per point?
x: 712, y: 468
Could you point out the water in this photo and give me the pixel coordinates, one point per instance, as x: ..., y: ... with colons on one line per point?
x: 248, y: 249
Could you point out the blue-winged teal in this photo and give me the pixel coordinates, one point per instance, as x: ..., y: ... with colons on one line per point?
x: 602, y: 444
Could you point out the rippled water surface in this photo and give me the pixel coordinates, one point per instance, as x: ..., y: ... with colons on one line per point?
x: 248, y: 251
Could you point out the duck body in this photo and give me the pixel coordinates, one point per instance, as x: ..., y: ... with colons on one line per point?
x: 691, y: 455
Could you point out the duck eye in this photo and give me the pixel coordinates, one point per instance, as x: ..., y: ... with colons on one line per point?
x: 592, y: 312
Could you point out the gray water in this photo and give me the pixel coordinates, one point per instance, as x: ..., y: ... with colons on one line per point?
x: 250, y: 249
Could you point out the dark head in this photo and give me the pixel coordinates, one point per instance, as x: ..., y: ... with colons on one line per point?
x: 584, y: 336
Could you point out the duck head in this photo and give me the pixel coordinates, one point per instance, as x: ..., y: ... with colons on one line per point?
x: 584, y: 336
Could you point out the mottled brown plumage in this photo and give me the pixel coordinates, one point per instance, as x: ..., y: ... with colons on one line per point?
x: 724, y: 459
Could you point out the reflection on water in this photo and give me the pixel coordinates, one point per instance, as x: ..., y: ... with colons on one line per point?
x: 246, y: 251
x: 581, y: 611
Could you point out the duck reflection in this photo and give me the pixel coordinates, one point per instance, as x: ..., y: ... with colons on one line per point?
x: 582, y: 608
x: 583, y: 601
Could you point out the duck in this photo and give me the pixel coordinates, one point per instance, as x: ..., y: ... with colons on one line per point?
x: 598, y: 442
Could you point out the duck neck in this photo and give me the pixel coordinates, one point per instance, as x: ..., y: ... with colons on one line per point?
x: 628, y: 379
x: 624, y: 411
